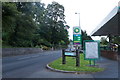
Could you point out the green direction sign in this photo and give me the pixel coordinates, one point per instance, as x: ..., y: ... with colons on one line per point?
x: 77, y: 39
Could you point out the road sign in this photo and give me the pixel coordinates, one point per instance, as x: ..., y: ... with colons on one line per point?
x: 76, y: 36
x: 77, y: 39
x: 70, y: 53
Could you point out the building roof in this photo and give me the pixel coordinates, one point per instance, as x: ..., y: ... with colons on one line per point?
x: 110, y: 25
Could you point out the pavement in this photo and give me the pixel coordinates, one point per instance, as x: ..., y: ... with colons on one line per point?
x: 111, y: 68
x: 34, y: 66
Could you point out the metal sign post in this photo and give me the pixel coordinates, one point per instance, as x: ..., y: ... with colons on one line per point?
x: 63, y: 57
x: 77, y: 58
x: 77, y: 42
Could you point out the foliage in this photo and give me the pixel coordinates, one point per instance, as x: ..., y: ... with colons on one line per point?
x: 55, y: 15
x: 30, y: 24
x: 104, y: 41
x: 45, y: 48
x: 9, y: 14
x: 116, y: 39
x: 85, y: 37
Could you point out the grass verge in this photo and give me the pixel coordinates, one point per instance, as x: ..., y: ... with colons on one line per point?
x: 70, y: 65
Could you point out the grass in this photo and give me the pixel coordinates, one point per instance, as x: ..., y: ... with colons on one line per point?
x: 70, y: 65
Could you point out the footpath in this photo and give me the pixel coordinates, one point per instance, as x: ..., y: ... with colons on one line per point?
x: 111, y: 68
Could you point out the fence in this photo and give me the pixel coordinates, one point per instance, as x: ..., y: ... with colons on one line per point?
x: 19, y: 51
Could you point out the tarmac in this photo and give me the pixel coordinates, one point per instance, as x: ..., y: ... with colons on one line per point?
x: 34, y: 66
x: 111, y: 69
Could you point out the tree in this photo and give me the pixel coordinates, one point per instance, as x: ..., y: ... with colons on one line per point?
x: 55, y: 24
x: 55, y: 12
x: 9, y: 15
x: 116, y: 39
x: 18, y: 23
x: 27, y: 24
x: 85, y: 37
x: 104, y: 41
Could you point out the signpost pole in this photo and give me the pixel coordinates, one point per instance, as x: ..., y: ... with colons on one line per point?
x: 90, y: 62
x: 63, y: 57
x: 94, y: 62
x: 77, y: 58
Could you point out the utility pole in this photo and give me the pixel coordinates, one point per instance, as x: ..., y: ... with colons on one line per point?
x: 80, y: 29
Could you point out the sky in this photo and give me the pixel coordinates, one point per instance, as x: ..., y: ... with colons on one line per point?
x: 92, y: 12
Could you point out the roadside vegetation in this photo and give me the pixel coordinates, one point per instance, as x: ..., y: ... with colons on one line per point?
x: 105, y: 45
x: 70, y: 65
x: 31, y: 24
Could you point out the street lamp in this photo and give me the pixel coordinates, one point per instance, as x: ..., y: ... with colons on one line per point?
x: 79, y: 18
x: 80, y: 29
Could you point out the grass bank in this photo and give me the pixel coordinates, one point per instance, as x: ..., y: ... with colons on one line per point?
x: 70, y: 65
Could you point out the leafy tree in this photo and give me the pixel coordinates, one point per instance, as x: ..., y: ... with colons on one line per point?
x: 55, y: 24
x: 27, y: 24
x: 85, y: 36
x: 116, y: 39
x: 55, y: 11
x: 9, y: 14
x: 104, y: 41
x: 39, y: 18
x: 18, y: 24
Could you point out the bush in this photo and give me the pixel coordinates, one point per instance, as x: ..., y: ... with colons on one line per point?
x: 45, y: 48
x: 37, y: 46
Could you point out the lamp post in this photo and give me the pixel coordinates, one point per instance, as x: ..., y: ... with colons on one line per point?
x: 80, y: 28
x: 79, y: 18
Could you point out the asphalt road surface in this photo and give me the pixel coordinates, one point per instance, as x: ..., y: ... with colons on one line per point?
x: 34, y: 66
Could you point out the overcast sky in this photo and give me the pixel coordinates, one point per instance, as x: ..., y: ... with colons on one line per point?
x: 92, y: 12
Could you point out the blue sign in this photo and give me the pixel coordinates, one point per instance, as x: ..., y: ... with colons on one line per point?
x: 77, y: 39
x: 76, y: 34
x: 70, y: 54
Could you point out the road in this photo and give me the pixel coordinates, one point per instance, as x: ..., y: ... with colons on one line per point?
x: 34, y: 66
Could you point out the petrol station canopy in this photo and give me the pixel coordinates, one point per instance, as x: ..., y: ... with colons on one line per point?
x: 110, y: 25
